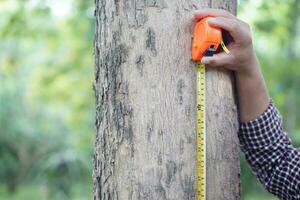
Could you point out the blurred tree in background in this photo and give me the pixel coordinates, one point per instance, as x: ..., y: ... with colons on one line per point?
x: 46, y: 112
x: 275, y: 27
x: 46, y: 99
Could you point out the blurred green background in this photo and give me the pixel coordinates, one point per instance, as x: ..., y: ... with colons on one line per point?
x: 46, y: 98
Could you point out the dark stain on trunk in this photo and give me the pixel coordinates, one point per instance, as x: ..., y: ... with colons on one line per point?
x: 150, y: 128
x: 171, y: 172
x: 140, y: 61
x: 150, y: 41
x: 180, y: 87
x: 188, y: 185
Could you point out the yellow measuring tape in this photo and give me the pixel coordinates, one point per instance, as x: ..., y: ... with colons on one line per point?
x: 201, y: 136
x: 201, y: 143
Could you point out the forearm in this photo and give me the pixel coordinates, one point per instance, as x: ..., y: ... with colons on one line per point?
x: 271, y: 155
x: 252, y: 93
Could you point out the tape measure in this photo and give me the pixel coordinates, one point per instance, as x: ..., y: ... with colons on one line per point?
x: 201, y: 139
x: 206, y: 40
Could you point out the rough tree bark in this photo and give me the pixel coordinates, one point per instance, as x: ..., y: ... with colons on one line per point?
x: 145, y: 145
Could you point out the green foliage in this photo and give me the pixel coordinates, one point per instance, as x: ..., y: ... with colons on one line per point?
x: 28, y: 135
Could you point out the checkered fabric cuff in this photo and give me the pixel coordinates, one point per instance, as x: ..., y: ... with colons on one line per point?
x: 262, y: 131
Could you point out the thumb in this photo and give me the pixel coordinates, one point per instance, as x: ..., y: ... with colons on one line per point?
x: 217, y: 60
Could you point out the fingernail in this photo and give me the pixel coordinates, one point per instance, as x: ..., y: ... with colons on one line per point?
x: 211, y: 20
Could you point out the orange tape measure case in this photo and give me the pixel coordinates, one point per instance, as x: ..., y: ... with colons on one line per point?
x: 205, y: 37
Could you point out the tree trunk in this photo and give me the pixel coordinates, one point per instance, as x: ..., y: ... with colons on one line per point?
x: 145, y: 88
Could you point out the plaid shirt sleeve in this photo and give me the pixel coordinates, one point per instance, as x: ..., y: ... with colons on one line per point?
x: 269, y: 152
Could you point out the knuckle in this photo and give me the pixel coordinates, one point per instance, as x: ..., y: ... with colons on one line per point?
x: 245, y: 24
x: 247, y: 32
x: 248, y: 39
x: 235, y: 25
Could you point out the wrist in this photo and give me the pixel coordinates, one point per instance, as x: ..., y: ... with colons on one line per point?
x: 252, y: 92
x: 249, y: 69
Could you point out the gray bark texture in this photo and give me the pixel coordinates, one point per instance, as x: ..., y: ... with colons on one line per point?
x: 145, y: 93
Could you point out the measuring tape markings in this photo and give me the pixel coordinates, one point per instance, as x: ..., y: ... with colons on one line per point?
x: 201, y: 139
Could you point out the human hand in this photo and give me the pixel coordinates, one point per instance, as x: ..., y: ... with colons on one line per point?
x: 241, y: 58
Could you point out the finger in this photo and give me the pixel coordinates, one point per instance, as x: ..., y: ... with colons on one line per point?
x: 231, y: 25
x: 217, y: 60
x: 199, y: 14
